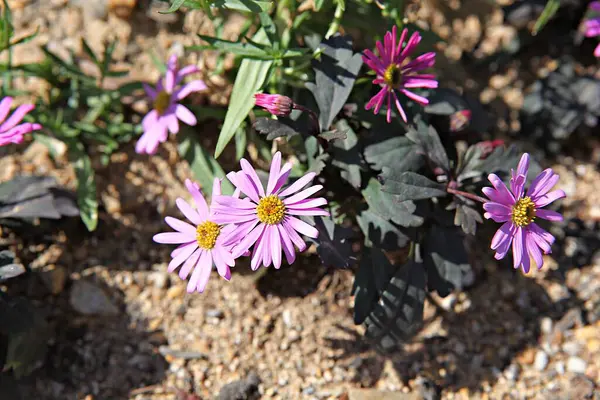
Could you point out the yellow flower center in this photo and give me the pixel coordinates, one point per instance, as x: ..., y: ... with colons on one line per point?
x: 392, y: 76
x: 207, y: 234
x: 523, y: 212
x: 270, y: 210
x: 162, y: 101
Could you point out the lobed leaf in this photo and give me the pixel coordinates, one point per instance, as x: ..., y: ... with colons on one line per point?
x: 430, y: 144
x: 446, y: 260
x: 398, y: 314
x: 411, y: 186
x: 398, y: 153
x: 346, y: 155
x: 335, y: 74
x: 333, y: 244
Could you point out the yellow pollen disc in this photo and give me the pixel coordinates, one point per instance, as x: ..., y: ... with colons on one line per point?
x: 162, y: 101
x: 523, y: 212
x: 270, y: 210
x: 392, y: 76
x: 207, y: 234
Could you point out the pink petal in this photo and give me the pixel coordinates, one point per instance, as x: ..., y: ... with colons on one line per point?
x: 497, y: 211
x: 201, y: 205
x: 222, y: 268
x: 294, y: 237
x: 227, y: 202
x: 198, y: 281
x: 16, y: 117
x: 5, y: 107
x: 302, y: 195
x: 534, y: 250
x: 183, y: 72
x: 274, y: 172
x: 275, y: 246
x: 502, y: 235
x: 181, y: 226
x: 399, y: 107
x: 185, y: 115
x: 249, y: 240
x: 284, y: 173
x: 517, y: 247
x: 302, y: 227
x: 505, y: 197
x: 257, y: 255
x: 182, y: 254
x: 239, y: 233
x: 288, y: 246
x: 251, y: 174
x: 189, y: 212
x: 308, y: 203
x: 415, y: 97
x: 192, y: 87
x: 308, y: 211
x: 242, y: 182
x: 191, y: 263
x: 221, y: 219
x: 542, y: 184
x: 549, y: 198
x: 150, y: 91
x: 172, y: 238
x: 299, y: 184
x: 170, y: 75
x: 266, y: 247
x: 549, y: 215
x: 171, y: 120
x: 542, y: 238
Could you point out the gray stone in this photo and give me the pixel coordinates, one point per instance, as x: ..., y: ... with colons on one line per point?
x: 214, y: 313
x: 571, y: 348
x: 577, y: 365
x: 97, y: 9
x: 372, y: 394
x: 541, y: 360
x: 54, y: 278
x: 89, y: 299
x: 512, y: 372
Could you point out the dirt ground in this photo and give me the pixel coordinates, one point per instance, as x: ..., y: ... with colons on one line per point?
x: 509, y: 336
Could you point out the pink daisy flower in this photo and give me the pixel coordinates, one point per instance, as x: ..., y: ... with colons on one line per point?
x: 592, y: 24
x: 394, y: 74
x: 11, y: 130
x: 276, y: 104
x: 202, y: 244
x: 518, y: 210
x: 267, y: 218
x: 167, y: 112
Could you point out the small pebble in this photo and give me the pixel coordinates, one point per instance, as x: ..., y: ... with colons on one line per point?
x: 214, y: 313
x: 560, y: 367
x: 577, y: 365
x: 512, y: 372
x: 286, y: 315
x: 541, y: 360
x: 546, y: 325
x: 571, y: 348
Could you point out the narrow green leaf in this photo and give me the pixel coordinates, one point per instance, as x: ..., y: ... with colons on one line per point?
x: 90, y: 53
x: 250, y: 78
x: 238, y: 48
x: 241, y: 139
x: 86, y: 186
x: 107, y: 59
x: 204, y: 167
x: 551, y: 8
x: 253, y: 6
x: 270, y: 29
x: 174, y: 7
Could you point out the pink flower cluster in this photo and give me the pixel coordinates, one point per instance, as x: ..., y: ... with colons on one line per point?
x: 257, y: 220
x: 11, y: 128
x: 592, y: 23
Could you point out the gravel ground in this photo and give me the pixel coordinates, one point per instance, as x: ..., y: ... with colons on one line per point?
x: 125, y: 329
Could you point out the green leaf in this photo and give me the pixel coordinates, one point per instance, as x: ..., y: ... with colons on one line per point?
x: 270, y: 29
x: 346, y: 155
x: 8, y: 267
x: 427, y: 138
x: 90, y: 53
x: 551, y: 8
x: 56, y: 147
x: 176, y: 5
x: 398, y: 153
x: 86, y: 185
x: 335, y: 74
x: 446, y: 260
x: 204, y: 167
x: 333, y: 244
x: 372, y: 277
x: 241, y: 139
x: 411, y: 186
x: 247, y: 50
x: 398, y: 314
x: 253, y: 6
x: 250, y: 78
x: 391, y: 207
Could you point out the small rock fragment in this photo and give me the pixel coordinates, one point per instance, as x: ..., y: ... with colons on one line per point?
x: 541, y: 360
x: 89, y: 299
x: 577, y: 365
x: 243, y: 389
x: 54, y: 278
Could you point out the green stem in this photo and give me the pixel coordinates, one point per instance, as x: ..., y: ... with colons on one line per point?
x: 337, y: 19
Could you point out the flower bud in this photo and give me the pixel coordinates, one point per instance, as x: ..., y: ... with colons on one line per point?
x: 276, y: 104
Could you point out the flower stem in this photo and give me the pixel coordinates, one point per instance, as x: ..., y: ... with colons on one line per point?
x: 467, y: 195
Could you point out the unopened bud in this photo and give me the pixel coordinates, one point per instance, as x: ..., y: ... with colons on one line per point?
x: 276, y: 104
